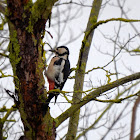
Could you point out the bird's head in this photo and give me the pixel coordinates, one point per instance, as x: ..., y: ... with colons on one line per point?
x: 61, y: 51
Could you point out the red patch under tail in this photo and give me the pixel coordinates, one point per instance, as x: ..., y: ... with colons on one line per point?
x: 51, y: 84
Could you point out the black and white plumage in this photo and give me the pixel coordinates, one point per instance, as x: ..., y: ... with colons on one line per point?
x: 58, y: 70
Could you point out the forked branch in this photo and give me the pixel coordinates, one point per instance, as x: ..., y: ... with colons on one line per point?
x: 96, y: 93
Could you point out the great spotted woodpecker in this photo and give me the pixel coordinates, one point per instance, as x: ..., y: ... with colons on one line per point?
x: 58, y: 70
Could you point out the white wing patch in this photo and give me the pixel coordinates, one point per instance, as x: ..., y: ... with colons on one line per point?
x: 61, y: 77
x: 60, y: 73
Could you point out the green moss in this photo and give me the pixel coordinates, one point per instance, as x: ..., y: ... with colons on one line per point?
x: 34, y: 40
x: 83, y: 67
x: 136, y: 50
x: 39, y: 10
x: 1, y: 26
x: 48, y: 122
x: 30, y: 27
x: 14, y: 49
x: 35, y: 15
x: 93, y: 19
x: 40, y: 65
x: 3, y: 109
x: 28, y: 5
x: 87, y: 44
x: 29, y: 133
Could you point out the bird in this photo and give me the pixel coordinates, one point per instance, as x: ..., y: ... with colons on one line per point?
x: 58, y: 71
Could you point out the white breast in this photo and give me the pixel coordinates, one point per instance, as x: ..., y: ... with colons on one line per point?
x: 52, y: 69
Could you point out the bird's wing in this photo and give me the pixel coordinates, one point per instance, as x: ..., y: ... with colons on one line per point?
x: 64, y: 70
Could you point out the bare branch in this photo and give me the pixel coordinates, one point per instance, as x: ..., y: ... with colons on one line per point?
x: 124, y: 13
x: 118, y: 100
x: 72, y: 2
x: 94, y: 26
x: 8, y: 113
x: 103, y: 113
x: 2, y: 54
x: 91, y: 96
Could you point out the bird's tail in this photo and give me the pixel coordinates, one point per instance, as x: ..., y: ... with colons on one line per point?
x: 46, y: 104
x: 51, y: 95
x: 56, y: 95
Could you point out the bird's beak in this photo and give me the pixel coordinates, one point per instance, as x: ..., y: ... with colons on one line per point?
x: 52, y: 50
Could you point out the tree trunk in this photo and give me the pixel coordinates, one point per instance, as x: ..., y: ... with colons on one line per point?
x: 27, y: 25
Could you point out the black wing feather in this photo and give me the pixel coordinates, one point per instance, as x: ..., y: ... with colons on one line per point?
x: 66, y: 72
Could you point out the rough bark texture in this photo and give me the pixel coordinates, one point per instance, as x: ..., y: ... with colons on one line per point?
x: 81, y: 66
x: 27, y: 24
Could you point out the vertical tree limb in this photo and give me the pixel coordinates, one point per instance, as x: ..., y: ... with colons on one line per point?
x: 81, y: 66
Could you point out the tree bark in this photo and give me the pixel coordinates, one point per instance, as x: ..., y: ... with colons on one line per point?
x: 27, y: 25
